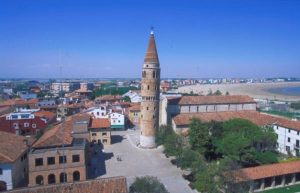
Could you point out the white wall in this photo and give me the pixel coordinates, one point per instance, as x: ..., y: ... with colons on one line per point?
x: 282, y: 140
x: 117, y: 119
x: 7, y: 175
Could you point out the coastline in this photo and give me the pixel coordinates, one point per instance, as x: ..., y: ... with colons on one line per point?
x: 255, y: 90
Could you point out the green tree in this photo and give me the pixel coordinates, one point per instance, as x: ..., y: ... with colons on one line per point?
x: 162, y: 133
x: 241, y: 139
x: 198, y: 135
x: 126, y: 99
x: 217, y: 93
x: 190, y: 159
x: 206, y: 179
x: 147, y: 184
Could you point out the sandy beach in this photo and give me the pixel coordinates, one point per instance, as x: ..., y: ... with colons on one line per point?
x: 255, y: 90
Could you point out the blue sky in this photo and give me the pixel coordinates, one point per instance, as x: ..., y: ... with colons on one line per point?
x: 105, y: 38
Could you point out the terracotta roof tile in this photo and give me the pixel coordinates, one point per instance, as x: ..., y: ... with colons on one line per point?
x: 151, y: 53
x: 11, y: 146
x: 223, y: 99
x: 266, y: 171
x: 56, y: 136
x: 45, y: 114
x: 109, y: 97
x: 103, y: 185
x: 136, y: 107
x: 184, y: 119
x: 253, y: 116
x: 100, y: 123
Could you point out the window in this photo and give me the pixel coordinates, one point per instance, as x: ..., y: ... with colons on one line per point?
x: 298, y: 133
x: 289, y: 139
x: 38, y: 161
x: 104, y: 134
x: 94, y: 134
x: 33, y: 125
x: 148, y: 87
x: 1, y: 171
x: 144, y: 74
x: 287, y: 148
x: 75, y: 158
x: 15, y: 125
x: 26, y: 124
x: 289, y: 130
x: 76, y: 176
x: 62, y: 159
x: 153, y: 74
x: 63, y: 177
x: 39, y: 180
x: 51, y: 160
x: 51, y: 179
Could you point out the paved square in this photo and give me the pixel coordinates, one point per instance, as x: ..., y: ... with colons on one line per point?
x: 137, y: 162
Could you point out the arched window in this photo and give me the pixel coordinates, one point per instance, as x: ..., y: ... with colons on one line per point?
x: 148, y: 87
x: 144, y: 74
x: 63, y: 177
x: 76, y: 176
x: 51, y: 179
x: 153, y: 74
x: 39, y: 180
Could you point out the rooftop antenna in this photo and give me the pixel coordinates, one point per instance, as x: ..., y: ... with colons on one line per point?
x: 151, y: 30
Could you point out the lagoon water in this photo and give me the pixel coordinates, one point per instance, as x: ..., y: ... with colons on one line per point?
x: 291, y: 91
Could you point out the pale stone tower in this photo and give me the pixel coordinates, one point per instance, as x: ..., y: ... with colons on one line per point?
x: 150, y: 95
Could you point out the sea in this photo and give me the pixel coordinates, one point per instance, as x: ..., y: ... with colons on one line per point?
x: 290, y: 91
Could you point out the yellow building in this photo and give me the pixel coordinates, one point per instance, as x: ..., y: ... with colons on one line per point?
x: 100, y: 131
x: 134, y: 114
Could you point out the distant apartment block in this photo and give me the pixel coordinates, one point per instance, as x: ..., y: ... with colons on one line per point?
x: 57, y: 87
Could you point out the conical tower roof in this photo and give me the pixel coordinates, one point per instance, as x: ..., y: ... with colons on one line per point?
x: 151, y: 56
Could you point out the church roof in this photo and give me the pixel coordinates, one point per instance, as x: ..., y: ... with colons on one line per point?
x: 151, y: 53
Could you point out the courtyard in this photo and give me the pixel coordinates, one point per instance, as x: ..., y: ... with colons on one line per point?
x: 124, y: 158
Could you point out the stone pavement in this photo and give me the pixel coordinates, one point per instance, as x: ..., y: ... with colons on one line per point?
x: 137, y: 162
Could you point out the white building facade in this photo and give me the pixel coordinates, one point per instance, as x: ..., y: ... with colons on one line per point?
x: 288, y: 140
x: 117, y: 121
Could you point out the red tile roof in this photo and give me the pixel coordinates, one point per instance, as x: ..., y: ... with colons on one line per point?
x: 223, y: 99
x: 100, y: 123
x: 11, y: 147
x: 151, y: 53
x: 253, y: 116
x: 102, y: 185
x: 19, y: 102
x: 266, y: 171
x: 56, y: 136
x: 45, y: 114
x: 109, y: 97
x: 136, y: 107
